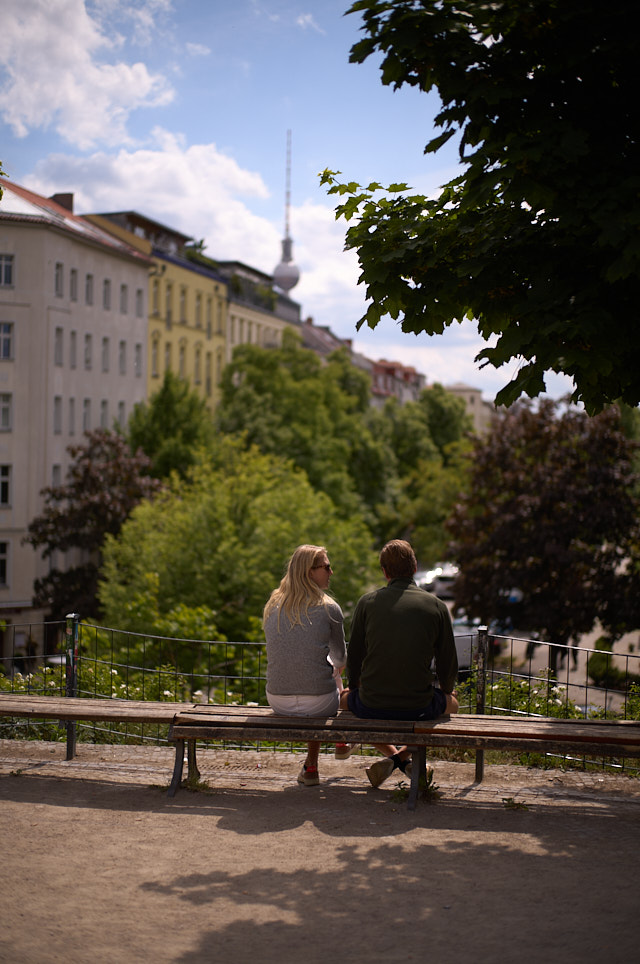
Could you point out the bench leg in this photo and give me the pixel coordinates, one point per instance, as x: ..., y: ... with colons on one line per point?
x: 418, y: 774
x: 176, y: 780
x: 193, y: 774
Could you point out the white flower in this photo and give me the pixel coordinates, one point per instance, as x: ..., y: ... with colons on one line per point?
x: 167, y: 693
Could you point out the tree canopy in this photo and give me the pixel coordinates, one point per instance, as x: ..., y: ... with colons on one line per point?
x: 537, y: 239
x: 288, y: 402
x: 171, y: 427
x: 104, y: 482
x: 220, y: 539
x: 551, y: 511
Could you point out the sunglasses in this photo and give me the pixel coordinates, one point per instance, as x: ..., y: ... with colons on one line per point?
x: 327, y: 567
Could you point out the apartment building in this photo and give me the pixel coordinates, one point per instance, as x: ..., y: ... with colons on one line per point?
x: 258, y: 312
x: 188, y: 301
x: 73, y: 306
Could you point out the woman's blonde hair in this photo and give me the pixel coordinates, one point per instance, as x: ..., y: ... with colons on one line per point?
x: 297, y: 591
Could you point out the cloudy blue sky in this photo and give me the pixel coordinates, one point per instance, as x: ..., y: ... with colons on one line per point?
x: 179, y: 109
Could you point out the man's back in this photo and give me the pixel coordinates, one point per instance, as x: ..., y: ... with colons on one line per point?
x: 397, y: 632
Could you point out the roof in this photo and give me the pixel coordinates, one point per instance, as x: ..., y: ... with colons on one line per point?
x: 18, y: 204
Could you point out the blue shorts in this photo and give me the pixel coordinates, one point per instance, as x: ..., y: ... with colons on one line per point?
x: 436, y: 708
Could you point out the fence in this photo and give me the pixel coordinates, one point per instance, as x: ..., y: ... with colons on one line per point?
x: 505, y: 675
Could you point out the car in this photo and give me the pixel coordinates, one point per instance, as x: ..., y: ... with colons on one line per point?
x: 465, y: 631
x: 440, y: 580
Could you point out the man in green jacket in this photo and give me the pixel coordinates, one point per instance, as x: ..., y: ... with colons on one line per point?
x: 396, y: 634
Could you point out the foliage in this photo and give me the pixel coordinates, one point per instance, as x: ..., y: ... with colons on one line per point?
x: 550, y: 510
x: 3, y: 173
x: 537, y: 237
x: 221, y: 539
x: 171, y: 428
x: 288, y: 402
x: 428, y: 495
x: 519, y: 695
x: 633, y: 702
x: 104, y: 482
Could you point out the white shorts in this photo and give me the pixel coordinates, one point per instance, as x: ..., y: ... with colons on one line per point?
x: 323, y: 704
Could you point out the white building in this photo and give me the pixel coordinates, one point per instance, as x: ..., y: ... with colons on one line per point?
x: 73, y: 310
x: 481, y: 411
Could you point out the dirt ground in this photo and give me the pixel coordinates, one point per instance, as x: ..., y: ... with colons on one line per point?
x: 99, y: 865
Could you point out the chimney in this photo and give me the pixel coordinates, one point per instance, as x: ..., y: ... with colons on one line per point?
x: 64, y: 200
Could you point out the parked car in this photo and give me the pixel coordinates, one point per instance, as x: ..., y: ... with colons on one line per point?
x: 440, y: 580
x: 464, y: 634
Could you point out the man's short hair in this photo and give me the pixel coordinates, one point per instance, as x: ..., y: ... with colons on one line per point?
x: 398, y: 559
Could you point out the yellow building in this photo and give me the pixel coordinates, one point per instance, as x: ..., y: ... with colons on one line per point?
x: 187, y: 306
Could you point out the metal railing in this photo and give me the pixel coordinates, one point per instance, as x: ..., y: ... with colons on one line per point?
x: 506, y: 675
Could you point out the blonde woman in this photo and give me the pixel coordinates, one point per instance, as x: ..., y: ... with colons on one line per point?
x: 306, y: 650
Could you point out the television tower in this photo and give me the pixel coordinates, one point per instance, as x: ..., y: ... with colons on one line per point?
x: 286, y: 275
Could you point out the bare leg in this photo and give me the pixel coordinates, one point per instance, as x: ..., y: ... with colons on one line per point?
x: 313, y: 752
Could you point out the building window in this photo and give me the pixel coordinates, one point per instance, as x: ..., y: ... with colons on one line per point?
x: 72, y: 416
x: 155, y: 297
x: 198, y: 310
x: 88, y: 289
x: 5, y: 486
x: 207, y: 374
x: 121, y: 414
x: 106, y: 294
x: 105, y: 354
x: 182, y: 359
x: 197, y: 370
x: 122, y: 357
x: 137, y: 363
x: 218, y: 366
x: 183, y: 305
x: 56, y: 476
x: 167, y: 356
x: 155, y: 345
x: 59, y: 279
x: 124, y: 299
x: 6, y: 411
x: 88, y: 347
x: 6, y: 270
x: 219, y: 326
x: 139, y: 303
x: 6, y: 340
x: 4, y: 563
x: 86, y: 415
x: 208, y: 318
x: 73, y: 284
x: 57, y: 415
x: 168, y: 299
x: 104, y: 413
x: 58, y: 346
x: 73, y: 349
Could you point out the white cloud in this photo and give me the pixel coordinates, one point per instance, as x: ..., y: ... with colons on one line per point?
x: 196, y: 189
x: 198, y: 50
x: 53, y: 77
x: 306, y: 20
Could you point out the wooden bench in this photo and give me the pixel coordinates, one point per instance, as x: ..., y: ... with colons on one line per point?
x: 611, y: 738
x: 193, y: 722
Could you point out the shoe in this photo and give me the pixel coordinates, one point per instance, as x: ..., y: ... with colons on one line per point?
x: 379, y: 771
x: 344, y: 750
x: 309, y: 776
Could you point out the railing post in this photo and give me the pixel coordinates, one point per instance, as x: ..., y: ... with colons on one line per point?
x: 481, y: 683
x: 71, y: 667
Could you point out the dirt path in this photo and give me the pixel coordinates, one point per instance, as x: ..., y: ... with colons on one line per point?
x: 99, y: 865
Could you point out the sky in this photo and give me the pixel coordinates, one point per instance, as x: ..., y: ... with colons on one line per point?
x: 179, y: 109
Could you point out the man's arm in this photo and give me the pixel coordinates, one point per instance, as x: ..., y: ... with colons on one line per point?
x: 446, y: 655
x: 357, y: 648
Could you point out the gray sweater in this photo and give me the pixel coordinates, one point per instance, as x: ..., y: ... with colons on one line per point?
x: 297, y: 663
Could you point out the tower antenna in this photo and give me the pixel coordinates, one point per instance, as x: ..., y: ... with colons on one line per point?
x: 286, y: 275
